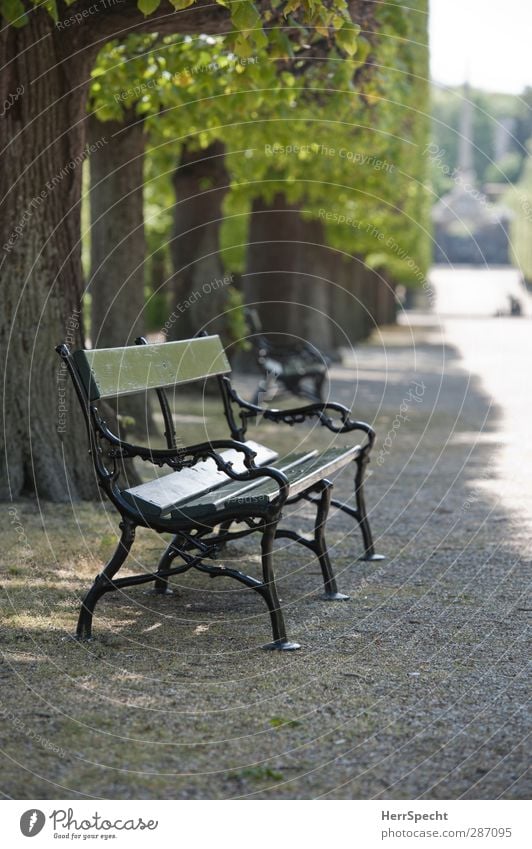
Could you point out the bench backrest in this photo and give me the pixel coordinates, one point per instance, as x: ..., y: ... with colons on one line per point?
x: 111, y: 372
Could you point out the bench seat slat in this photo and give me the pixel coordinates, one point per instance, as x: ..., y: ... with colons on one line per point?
x: 161, y: 494
x: 302, y: 470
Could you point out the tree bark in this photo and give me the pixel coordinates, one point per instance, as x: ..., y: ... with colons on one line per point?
x: 288, y: 273
x: 118, y: 247
x: 200, y: 285
x: 349, y: 306
x: 118, y: 244
x: 42, y: 138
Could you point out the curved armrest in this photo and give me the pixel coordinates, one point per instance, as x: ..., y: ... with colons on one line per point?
x: 297, y: 415
x: 180, y: 458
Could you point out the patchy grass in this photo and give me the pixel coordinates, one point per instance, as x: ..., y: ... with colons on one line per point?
x: 413, y: 688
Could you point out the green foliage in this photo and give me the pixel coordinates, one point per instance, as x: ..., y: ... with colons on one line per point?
x: 342, y: 136
x: 14, y: 12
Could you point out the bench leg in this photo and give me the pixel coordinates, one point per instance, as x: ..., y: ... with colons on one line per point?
x: 103, y: 582
x: 361, y: 514
x: 160, y: 586
x: 269, y: 594
x: 320, y: 546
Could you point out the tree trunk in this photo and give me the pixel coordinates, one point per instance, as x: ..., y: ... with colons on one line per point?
x: 118, y: 246
x: 348, y: 307
x: 42, y: 136
x: 200, y: 286
x: 289, y: 273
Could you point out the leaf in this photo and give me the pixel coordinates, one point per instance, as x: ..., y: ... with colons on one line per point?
x: 179, y: 5
x: 14, y: 12
x: 243, y: 48
x: 148, y: 6
x: 51, y: 8
x: 347, y: 38
x: 244, y: 15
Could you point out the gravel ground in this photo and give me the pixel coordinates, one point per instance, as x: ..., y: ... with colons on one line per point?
x: 414, y: 688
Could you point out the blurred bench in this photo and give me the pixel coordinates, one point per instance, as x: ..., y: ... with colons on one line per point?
x: 216, y: 491
x: 295, y: 367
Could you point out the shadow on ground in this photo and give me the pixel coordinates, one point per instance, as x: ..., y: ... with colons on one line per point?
x: 413, y: 688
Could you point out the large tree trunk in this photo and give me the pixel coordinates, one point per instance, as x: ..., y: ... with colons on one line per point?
x: 42, y: 138
x: 118, y: 246
x: 200, y: 285
x: 289, y: 273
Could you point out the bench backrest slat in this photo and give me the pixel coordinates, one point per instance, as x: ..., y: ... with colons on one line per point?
x: 110, y: 372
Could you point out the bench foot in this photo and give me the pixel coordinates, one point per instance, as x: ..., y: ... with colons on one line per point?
x: 281, y: 645
x: 368, y: 558
x: 163, y: 590
x: 334, y: 597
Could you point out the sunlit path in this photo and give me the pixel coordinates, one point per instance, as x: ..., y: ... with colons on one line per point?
x: 499, y: 352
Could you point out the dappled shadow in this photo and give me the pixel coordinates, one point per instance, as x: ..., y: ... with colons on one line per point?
x: 412, y: 688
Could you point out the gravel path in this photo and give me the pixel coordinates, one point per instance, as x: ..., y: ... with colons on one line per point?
x: 415, y: 688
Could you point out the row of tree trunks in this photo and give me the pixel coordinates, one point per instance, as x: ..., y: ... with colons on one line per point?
x: 118, y: 247
x: 45, y: 79
x: 305, y: 289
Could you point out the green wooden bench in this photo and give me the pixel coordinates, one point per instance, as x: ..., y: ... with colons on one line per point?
x: 217, y: 491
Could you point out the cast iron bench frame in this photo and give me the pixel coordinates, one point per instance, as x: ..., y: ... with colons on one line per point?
x: 202, y: 536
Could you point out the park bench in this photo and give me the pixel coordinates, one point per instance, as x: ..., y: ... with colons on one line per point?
x: 216, y: 491
x: 294, y: 367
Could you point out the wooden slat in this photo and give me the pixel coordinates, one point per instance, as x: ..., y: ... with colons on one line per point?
x: 159, y: 496
x: 108, y: 372
x: 301, y: 475
x: 302, y: 471
x: 235, y: 489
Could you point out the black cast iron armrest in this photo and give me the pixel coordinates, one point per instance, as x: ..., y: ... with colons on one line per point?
x: 297, y: 415
x: 180, y: 458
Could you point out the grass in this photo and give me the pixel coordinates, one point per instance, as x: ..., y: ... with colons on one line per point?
x: 404, y: 691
